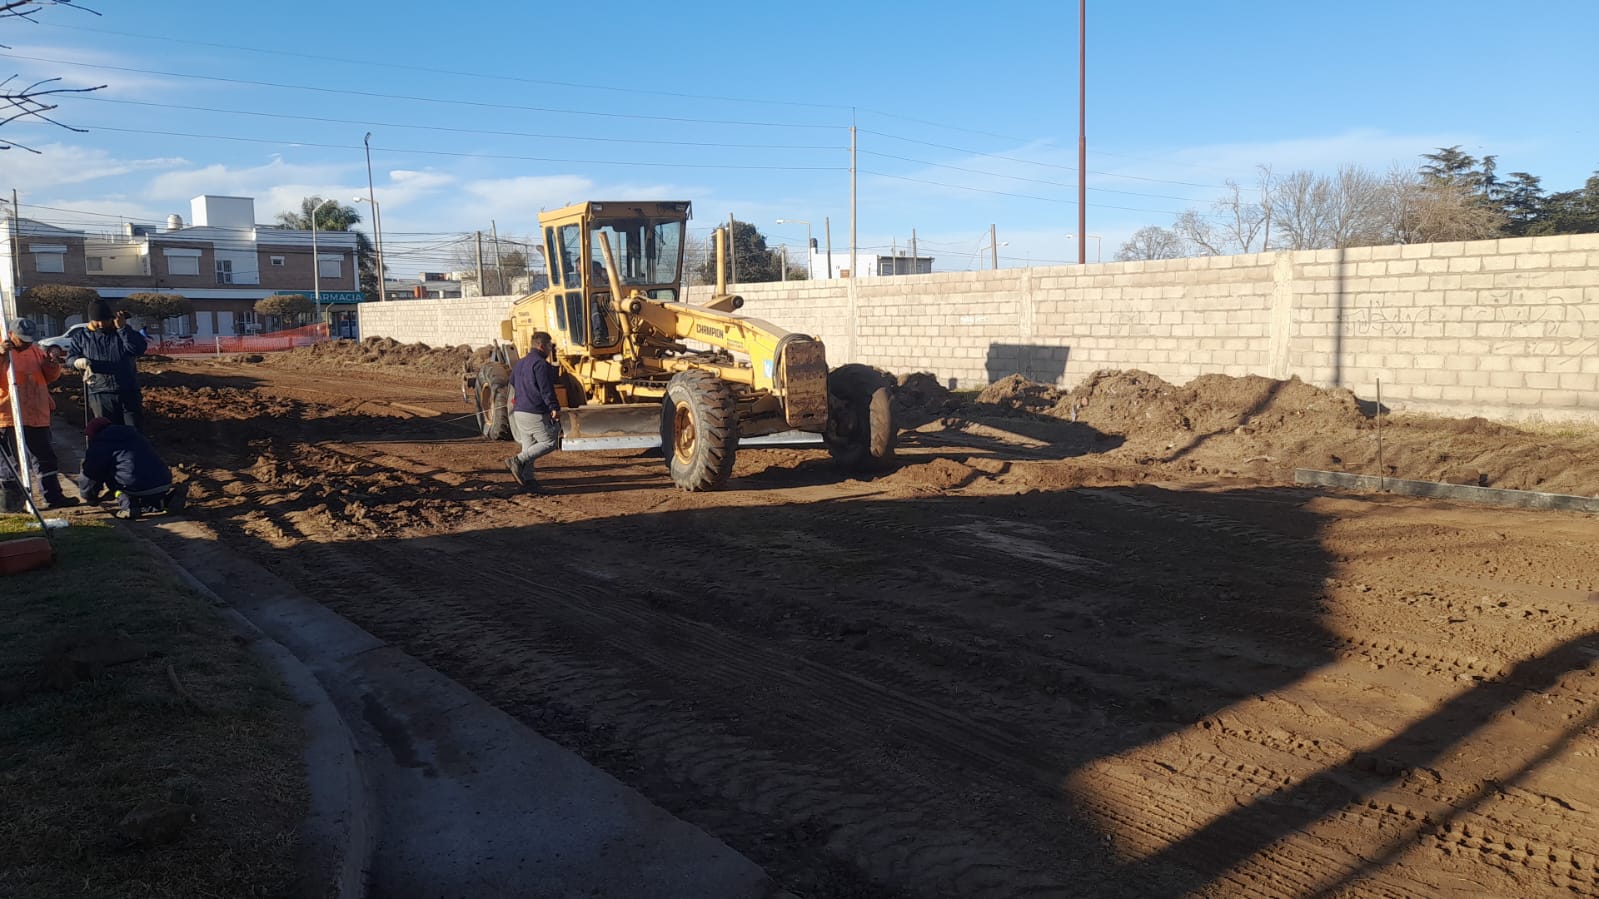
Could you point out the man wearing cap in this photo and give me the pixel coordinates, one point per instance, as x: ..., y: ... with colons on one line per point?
x: 105, y: 352
x: 34, y: 369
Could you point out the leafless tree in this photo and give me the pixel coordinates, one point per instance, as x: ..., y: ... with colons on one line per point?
x: 1152, y: 242
x: 1318, y: 212
x: 22, y: 100
x: 1421, y: 209
x: 1236, y: 224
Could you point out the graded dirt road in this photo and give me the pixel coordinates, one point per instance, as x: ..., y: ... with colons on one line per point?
x: 1024, y: 663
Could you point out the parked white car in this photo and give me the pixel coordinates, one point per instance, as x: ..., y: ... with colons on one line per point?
x: 62, y: 342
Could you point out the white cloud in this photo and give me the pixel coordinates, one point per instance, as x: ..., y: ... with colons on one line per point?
x: 420, y: 181
x: 79, y: 67
x: 58, y: 164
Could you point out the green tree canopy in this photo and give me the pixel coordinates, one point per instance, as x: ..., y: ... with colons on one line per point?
x: 157, y: 307
x: 60, y: 301
x: 285, y: 305
x: 756, y: 262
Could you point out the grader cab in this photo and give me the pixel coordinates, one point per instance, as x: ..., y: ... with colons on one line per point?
x: 640, y: 367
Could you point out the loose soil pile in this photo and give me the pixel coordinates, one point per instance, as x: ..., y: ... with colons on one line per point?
x: 1264, y: 428
x: 383, y: 351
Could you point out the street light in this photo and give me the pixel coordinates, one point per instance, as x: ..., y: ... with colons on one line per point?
x: 995, y: 248
x: 316, y: 262
x: 1096, y: 244
x: 377, y: 216
x: 810, y: 256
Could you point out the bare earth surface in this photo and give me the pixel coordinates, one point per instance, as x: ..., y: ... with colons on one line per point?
x: 1116, y: 656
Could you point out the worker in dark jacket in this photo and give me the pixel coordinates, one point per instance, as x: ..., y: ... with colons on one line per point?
x: 536, y: 417
x: 106, y: 352
x: 121, y: 460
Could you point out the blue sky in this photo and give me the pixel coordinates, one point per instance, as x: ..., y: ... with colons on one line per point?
x: 966, y: 113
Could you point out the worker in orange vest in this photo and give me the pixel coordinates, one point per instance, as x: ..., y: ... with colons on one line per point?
x: 34, y: 369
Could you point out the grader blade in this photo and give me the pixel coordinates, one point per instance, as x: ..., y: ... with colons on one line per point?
x: 629, y: 426
x: 638, y: 426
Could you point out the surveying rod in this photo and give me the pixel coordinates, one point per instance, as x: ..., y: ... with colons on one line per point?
x: 24, y: 470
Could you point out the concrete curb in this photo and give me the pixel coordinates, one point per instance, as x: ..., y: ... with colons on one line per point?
x: 339, y: 836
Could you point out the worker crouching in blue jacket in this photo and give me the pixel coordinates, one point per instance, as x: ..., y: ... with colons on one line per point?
x: 119, y: 459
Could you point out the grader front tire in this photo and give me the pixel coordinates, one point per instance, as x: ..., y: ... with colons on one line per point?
x: 699, y: 431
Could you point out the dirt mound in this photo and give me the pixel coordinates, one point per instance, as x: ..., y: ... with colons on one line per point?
x: 919, y: 398
x: 1262, y: 429
x: 1016, y: 392
x: 1136, y: 403
x: 383, y: 351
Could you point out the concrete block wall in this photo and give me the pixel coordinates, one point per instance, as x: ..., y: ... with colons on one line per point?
x: 474, y: 321
x: 1505, y: 329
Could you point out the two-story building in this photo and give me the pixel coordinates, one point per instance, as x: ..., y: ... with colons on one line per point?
x: 223, y: 262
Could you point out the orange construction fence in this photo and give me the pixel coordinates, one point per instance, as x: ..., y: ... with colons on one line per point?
x: 257, y: 343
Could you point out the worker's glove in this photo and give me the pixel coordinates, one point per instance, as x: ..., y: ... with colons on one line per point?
x: 81, y: 364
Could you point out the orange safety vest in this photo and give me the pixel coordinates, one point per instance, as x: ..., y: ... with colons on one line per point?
x: 35, y: 371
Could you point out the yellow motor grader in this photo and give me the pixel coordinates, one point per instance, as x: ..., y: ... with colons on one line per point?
x: 640, y: 367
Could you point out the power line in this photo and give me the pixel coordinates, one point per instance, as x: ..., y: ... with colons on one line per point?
x: 1020, y: 178
x: 448, y: 130
x: 1052, y: 165
x: 436, y: 71
x: 408, y: 97
x: 304, y: 143
x: 1002, y: 193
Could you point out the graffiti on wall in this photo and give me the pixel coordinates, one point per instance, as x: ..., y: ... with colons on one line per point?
x: 1532, y: 315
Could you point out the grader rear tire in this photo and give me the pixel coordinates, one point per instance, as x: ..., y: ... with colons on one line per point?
x: 699, y: 431
x: 492, y: 402
x: 861, y: 432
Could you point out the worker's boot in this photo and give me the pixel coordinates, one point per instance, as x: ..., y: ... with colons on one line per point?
x: 12, y: 499
x: 176, y: 499
x: 50, y: 485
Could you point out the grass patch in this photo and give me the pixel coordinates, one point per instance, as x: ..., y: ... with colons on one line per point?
x: 86, y: 742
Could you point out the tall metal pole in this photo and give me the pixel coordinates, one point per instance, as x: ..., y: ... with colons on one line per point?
x: 914, y: 265
x: 499, y: 273
x: 827, y: 231
x: 377, y: 218
x: 782, y: 258
x: 732, y: 252
x: 316, y: 268
x: 480, y: 286
x: 993, y: 243
x: 1082, y: 129
x: 853, y: 272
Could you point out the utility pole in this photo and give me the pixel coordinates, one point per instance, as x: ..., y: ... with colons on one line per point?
x: 732, y: 252
x: 782, y: 257
x: 499, y: 273
x: 914, y: 265
x: 993, y: 243
x: 1082, y: 129
x: 827, y: 229
x: 480, y: 286
x: 852, y: 195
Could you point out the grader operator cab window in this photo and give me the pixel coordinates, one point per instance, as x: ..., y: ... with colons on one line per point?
x: 648, y: 251
x: 570, y: 250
